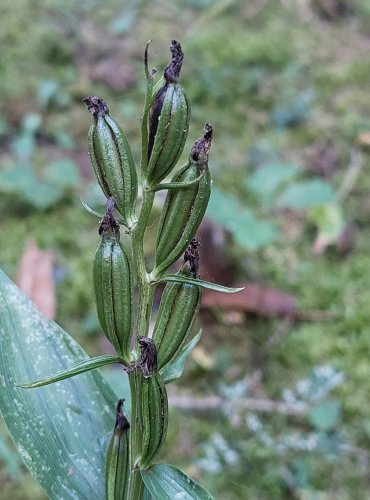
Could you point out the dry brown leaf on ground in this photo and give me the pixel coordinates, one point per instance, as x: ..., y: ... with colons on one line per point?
x: 35, y: 278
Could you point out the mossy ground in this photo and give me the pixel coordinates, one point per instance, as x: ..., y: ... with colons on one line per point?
x: 276, y: 79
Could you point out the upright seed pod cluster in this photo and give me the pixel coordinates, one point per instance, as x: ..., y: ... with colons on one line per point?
x: 118, y: 266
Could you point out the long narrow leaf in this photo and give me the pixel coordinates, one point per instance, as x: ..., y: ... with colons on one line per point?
x: 192, y: 281
x: 174, y: 370
x: 168, y: 482
x: 59, y: 429
x: 84, y: 366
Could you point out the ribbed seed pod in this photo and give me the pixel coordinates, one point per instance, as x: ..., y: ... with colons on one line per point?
x: 112, y: 278
x: 184, y: 208
x: 154, y: 409
x: 179, y: 305
x: 117, y: 460
x: 168, y: 121
x: 112, y: 159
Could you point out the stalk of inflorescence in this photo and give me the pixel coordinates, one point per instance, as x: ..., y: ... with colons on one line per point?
x: 164, y: 128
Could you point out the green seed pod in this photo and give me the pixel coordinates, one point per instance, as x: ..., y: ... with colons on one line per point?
x: 113, y: 287
x: 168, y: 121
x: 112, y: 159
x: 179, y: 305
x: 117, y: 460
x: 184, y: 208
x: 154, y: 411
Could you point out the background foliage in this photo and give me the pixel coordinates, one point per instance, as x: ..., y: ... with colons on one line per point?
x: 285, y: 85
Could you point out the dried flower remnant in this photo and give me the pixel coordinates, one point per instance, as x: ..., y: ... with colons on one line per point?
x: 148, y: 358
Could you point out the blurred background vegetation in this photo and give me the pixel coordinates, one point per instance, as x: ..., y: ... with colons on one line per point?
x: 275, y: 400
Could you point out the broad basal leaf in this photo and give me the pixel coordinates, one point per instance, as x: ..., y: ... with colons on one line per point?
x: 58, y: 429
x: 167, y: 482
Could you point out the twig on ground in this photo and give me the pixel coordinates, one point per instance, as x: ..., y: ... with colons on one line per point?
x: 259, y: 405
x: 350, y: 177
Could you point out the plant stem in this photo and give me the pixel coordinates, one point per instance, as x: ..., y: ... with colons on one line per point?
x: 146, y: 290
x: 146, y: 295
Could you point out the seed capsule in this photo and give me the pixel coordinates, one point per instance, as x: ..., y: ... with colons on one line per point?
x: 154, y: 410
x: 113, y: 288
x: 168, y: 121
x: 112, y: 159
x: 179, y: 305
x: 117, y: 463
x: 184, y: 208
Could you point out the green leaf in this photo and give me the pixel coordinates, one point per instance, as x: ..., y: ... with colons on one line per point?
x: 122, y: 24
x: 168, y: 483
x: 306, y: 194
x: 23, y: 146
x: 100, y: 216
x: 193, y: 281
x: 46, y: 92
x: 173, y: 371
x: 59, y: 429
x: 82, y: 367
x: 40, y: 194
x: 10, y: 460
x: 329, y: 221
x: 267, y: 179
x: 17, y: 178
x: 178, y: 185
x: 63, y: 173
x: 147, y: 495
x: 32, y: 122
x: 249, y: 231
x: 326, y: 415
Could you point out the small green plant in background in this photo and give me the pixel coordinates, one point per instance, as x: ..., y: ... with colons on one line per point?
x: 64, y: 431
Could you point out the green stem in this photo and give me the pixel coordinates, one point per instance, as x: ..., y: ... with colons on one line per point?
x: 146, y: 295
x: 146, y: 290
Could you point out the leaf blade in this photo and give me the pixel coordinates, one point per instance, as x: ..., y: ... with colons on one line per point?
x: 201, y: 283
x: 174, y: 370
x: 168, y: 482
x: 82, y: 367
x: 58, y: 430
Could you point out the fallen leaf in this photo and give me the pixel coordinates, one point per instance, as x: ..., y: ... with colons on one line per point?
x: 35, y: 278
